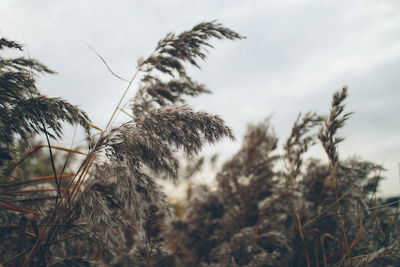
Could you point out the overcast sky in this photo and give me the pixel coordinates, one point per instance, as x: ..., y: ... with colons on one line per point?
x: 297, y: 53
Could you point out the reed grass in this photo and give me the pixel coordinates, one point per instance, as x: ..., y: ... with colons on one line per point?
x: 111, y: 211
x: 299, y: 213
x: 112, y: 203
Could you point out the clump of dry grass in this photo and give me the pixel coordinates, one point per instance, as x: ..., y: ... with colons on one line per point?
x: 301, y: 214
x: 111, y: 210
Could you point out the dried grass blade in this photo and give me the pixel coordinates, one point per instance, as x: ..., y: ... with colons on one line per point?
x: 37, y: 180
x: 11, y: 207
x: 40, y: 198
x: 36, y: 148
x: 36, y: 191
x: 95, y: 127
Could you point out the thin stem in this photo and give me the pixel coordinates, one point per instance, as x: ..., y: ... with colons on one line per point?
x: 122, y: 98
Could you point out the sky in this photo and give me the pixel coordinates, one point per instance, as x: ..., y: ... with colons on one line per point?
x: 296, y: 55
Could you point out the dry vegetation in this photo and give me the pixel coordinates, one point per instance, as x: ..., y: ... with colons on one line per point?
x: 111, y: 211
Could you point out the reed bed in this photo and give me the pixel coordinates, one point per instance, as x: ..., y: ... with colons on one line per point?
x: 108, y: 209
